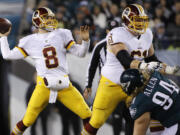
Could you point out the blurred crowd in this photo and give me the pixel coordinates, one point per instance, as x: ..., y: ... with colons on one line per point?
x: 164, y: 17
x: 164, y: 21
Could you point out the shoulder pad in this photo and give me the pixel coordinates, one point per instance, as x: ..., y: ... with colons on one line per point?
x: 116, y: 35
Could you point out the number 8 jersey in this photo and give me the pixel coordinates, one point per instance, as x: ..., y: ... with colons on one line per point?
x: 48, y: 50
x: 161, y: 98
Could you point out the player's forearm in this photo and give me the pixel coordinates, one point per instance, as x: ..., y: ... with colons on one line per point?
x: 141, y: 124
x: 7, y: 53
x: 139, y: 129
x: 152, y: 58
x: 80, y: 50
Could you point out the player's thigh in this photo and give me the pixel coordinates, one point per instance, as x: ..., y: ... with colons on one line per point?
x: 106, y: 100
x: 108, y: 94
x: 38, y: 101
x: 73, y: 100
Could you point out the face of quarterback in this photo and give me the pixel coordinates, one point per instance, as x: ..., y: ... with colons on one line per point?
x: 44, y: 18
x: 135, y: 19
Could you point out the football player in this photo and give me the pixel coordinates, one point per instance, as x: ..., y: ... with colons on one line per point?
x: 127, y: 47
x: 156, y: 97
x: 48, y: 49
x: 98, y: 59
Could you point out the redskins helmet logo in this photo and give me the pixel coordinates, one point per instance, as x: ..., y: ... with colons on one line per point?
x: 126, y: 11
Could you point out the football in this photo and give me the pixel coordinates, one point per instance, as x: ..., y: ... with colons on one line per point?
x: 5, y: 24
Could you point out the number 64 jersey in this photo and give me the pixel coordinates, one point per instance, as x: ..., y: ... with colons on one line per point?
x: 48, y: 50
x: 161, y: 98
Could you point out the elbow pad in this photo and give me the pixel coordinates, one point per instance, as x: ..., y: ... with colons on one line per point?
x: 125, y: 59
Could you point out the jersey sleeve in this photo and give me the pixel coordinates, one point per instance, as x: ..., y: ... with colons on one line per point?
x: 8, y: 54
x: 68, y: 39
x: 23, y: 46
x: 140, y: 105
x: 149, y: 35
x: 115, y: 36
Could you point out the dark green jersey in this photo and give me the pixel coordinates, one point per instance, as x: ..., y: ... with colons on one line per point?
x: 161, y: 98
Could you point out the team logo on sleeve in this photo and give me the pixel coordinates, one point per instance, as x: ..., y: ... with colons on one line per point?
x: 132, y: 111
x: 110, y: 40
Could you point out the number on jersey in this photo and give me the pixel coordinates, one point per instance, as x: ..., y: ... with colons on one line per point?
x: 139, y: 53
x: 50, y: 57
x: 163, y: 99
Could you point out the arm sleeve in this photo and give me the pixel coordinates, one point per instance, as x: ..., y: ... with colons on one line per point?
x: 115, y: 37
x: 125, y: 59
x: 79, y: 49
x: 75, y: 49
x: 152, y: 58
x: 8, y: 54
x: 93, y: 63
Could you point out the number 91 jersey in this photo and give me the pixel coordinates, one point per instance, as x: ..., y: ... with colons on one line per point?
x: 161, y: 98
x: 48, y: 50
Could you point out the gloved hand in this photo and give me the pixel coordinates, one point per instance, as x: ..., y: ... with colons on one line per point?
x: 173, y: 70
x: 151, y: 66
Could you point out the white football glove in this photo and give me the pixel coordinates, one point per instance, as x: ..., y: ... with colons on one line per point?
x: 172, y: 70
x: 151, y: 66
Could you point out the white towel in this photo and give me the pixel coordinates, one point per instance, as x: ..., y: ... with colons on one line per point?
x: 53, y: 96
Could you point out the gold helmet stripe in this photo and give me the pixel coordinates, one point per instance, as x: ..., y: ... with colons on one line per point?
x: 139, y: 7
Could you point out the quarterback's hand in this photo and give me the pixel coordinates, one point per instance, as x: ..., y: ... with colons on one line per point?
x: 87, y: 93
x: 84, y: 33
x: 157, y: 66
x: 5, y: 34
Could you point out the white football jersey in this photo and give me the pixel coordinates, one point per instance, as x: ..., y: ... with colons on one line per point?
x: 48, y: 50
x: 137, y: 47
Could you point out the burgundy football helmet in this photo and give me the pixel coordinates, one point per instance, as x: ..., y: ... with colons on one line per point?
x: 135, y: 19
x: 44, y: 18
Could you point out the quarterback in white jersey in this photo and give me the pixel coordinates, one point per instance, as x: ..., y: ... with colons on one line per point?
x: 48, y: 49
x: 127, y: 47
